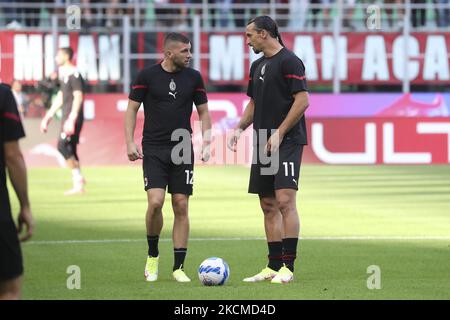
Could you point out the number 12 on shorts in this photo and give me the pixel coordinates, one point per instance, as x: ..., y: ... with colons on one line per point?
x: 286, y: 168
x: 189, y: 176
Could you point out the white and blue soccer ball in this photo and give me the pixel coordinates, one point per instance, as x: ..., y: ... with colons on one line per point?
x: 213, y: 272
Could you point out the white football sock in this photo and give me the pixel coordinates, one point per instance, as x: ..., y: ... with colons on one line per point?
x: 76, y: 175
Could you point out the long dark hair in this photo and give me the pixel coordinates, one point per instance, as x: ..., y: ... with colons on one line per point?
x: 268, y: 24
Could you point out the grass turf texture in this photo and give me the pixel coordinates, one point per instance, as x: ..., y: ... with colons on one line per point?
x: 334, y: 201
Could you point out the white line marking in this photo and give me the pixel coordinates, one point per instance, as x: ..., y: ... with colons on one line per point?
x: 351, y: 238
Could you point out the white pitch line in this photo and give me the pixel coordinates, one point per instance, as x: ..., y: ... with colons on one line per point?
x: 351, y: 238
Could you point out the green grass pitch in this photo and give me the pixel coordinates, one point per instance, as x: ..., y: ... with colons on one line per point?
x: 352, y: 217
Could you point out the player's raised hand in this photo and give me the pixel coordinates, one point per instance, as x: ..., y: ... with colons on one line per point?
x: 233, y: 139
x: 25, y: 219
x: 133, y: 152
x: 44, y: 123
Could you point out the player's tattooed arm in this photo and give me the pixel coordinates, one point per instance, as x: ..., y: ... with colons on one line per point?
x: 205, y: 122
x: 301, y: 103
x: 133, y: 151
x: 247, y: 117
x: 244, y: 123
x: 57, y: 103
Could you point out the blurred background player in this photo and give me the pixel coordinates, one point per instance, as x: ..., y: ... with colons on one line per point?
x: 167, y: 90
x: 48, y: 89
x: 278, y: 100
x: 70, y: 98
x: 11, y: 130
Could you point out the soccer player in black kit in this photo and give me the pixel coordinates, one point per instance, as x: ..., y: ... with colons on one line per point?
x: 11, y: 130
x: 168, y: 91
x: 70, y: 98
x: 278, y: 100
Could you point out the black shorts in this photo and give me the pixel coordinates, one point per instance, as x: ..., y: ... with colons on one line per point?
x: 11, y: 265
x: 160, y: 171
x: 285, y: 175
x: 67, y: 146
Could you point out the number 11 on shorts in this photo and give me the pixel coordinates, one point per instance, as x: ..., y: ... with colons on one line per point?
x: 286, y: 169
x: 189, y: 176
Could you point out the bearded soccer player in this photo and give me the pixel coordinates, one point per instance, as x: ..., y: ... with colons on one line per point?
x: 70, y: 99
x: 11, y: 130
x: 278, y: 100
x: 168, y: 91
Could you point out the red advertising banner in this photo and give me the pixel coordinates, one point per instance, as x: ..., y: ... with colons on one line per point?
x: 362, y: 58
x: 374, y: 58
x: 371, y: 139
x: 379, y: 141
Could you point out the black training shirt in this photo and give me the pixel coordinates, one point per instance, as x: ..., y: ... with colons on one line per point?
x: 168, y: 99
x: 11, y: 129
x: 68, y: 84
x: 272, y: 83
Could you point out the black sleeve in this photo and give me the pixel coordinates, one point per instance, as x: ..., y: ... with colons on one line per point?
x: 294, y: 74
x: 200, y: 96
x: 10, y: 123
x: 76, y: 82
x: 250, y: 80
x: 139, y: 88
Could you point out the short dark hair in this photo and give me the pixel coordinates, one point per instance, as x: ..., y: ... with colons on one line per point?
x: 268, y: 24
x: 175, y: 37
x: 68, y: 51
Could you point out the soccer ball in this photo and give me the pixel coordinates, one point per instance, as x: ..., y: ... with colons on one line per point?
x: 213, y: 272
